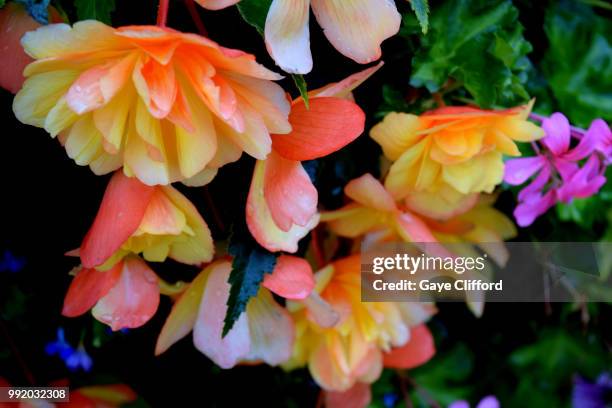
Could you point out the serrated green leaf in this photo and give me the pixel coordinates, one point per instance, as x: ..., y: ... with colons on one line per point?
x: 578, y: 62
x: 251, y: 262
x: 95, y: 10
x: 255, y: 12
x: 479, y: 44
x: 421, y: 10
x: 38, y: 10
x: 301, y: 85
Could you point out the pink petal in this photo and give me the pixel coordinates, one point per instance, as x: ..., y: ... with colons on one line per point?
x: 565, y: 168
x: 585, y: 182
x: 325, y: 127
x: 534, y: 206
x: 123, y: 206
x: 292, y: 278
x: 87, y: 287
x: 229, y: 350
x: 358, y: 396
x: 536, y: 185
x: 488, y: 402
x: 589, y: 142
x: 517, y: 171
x: 133, y: 300
x: 289, y: 193
x: 557, y: 129
x: 287, y: 35
x: 356, y: 28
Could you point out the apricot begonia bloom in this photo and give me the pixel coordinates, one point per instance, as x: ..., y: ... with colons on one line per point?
x: 165, y: 105
x: 282, y: 203
x: 156, y: 221
x: 374, y: 209
x: 454, y: 150
x: 125, y: 296
x: 366, y: 337
x: 264, y: 332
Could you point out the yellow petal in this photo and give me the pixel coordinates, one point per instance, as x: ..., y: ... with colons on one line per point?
x: 396, y: 133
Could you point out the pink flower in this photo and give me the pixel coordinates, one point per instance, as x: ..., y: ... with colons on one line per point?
x: 557, y: 173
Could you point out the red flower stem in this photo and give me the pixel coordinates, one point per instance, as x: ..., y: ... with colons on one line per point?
x: 195, y: 16
x: 17, y: 354
x: 162, y: 12
x: 316, y: 249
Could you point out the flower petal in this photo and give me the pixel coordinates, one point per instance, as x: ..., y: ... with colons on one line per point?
x: 271, y: 330
x: 325, y: 127
x: 344, y: 88
x: 358, y: 396
x: 87, y: 287
x: 368, y: 191
x: 121, y: 211
x: 292, y: 278
x: 517, y: 171
x: 216, y: 4
x: 356, y: 28
x: 183, y: 315
x: 396, y: 133
x: 287, y: 35
x: 260, y: 220
x: 557, y: 129
x: 417, y: 351
x: 224, y: 351
x: 133, y: 300
x: 289, y: 193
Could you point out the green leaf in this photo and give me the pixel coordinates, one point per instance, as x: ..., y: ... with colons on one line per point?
x: 301, y: 85
x: 2, y: 3
x: 251, y: 262
x: 578, y: 62
x: 38, y: 10
x: 95, y: 10
x: 255, y: 12
x: 421, y: 10
x: 479, y: 44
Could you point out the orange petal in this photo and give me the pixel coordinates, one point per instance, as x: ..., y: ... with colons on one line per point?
x: 358, y: 396
x: 156, y: 84
x: 289, y: 193
x: 327, y: 126
x: 87, y: 287
x: 133, y: 300
x: 229, y: 350
x: 14, y: 23
x: 182, y: 318
x: 123, y: 206
x: 260, y: 220
x: 368, y: 191
x: 356, y: 28
x: 419, y: 350
x: 216, y: 4
x: 292, y: 278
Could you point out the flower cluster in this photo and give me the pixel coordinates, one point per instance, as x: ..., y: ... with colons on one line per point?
x: 153, y: 106
x: 560, y: 172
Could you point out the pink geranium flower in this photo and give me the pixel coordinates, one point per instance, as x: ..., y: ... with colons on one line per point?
x: 560, y: 173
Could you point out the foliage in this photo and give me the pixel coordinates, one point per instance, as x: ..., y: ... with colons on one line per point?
x: 95, y: 10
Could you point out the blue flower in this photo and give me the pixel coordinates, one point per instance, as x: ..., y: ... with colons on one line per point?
x: 390, y: 399
x: 59, y: 347
x: 596, y: 394
x: 11, y: 263
x: 79, y: 358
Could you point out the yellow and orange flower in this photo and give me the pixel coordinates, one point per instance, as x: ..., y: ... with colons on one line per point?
x: 366, y: 337
x: 165, y: 105
x: 264, y: 332
x: 454, y: 150
x: 157, y: 221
